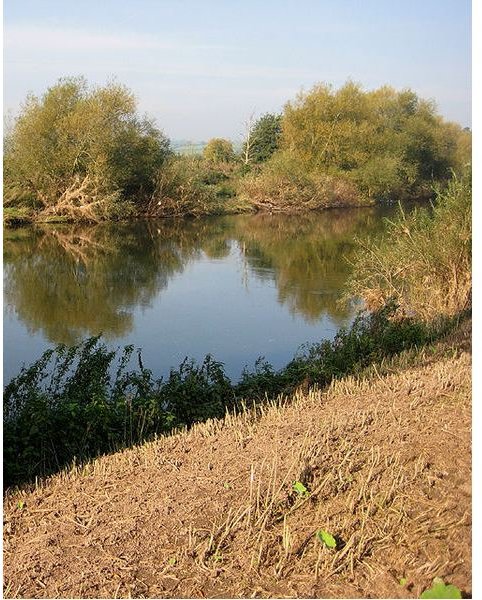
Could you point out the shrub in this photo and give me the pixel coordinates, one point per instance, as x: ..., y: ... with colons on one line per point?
x: 388, y: 142
x: 371, y: 337
x: 284, y: 184
x: 219, y: 150
x: 424, y: 260
x: 77, y: 152
x: 76, y: 403
x: 192, y: 186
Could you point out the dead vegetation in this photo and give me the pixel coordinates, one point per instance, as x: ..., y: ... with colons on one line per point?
x: 82, y: 200
x: 212, y: 512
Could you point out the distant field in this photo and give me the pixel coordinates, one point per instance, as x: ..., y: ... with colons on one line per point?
x: 188, y: 147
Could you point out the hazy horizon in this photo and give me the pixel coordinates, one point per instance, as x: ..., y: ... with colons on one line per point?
x: 200, y: 69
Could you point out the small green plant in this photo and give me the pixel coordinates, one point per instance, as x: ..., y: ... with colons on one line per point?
x: 440, y: 589
x: 326, y: 538
x: 300, y: 489
x: 172, y: 561
x: 403, y: 581
x: 20, y: 504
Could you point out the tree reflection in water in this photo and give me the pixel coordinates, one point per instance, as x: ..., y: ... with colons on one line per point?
x: 70, y: 282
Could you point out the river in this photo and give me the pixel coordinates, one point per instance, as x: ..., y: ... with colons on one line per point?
x: 237, y: 287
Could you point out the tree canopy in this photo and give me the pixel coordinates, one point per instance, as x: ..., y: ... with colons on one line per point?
x: 219, y: 150
x: 77, y: 147
x: 262, y: 139
x: 386, y: 141
x: 84, y: 153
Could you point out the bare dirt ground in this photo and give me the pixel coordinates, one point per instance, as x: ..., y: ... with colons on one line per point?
x: 212, y: 512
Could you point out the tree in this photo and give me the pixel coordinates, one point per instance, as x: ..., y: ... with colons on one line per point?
x: 219, y: 150
x: 247, y: 148
x: 386, y: 141
x: 262, y: 138
x: 77, y: 151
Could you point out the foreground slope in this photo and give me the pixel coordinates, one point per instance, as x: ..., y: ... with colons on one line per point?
x: 212, y: 512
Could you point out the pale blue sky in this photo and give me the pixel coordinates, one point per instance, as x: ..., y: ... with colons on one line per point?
x: 200, y: 67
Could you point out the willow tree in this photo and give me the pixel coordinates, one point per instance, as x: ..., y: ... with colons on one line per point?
x: 388, y: 142
x: 82, y: 152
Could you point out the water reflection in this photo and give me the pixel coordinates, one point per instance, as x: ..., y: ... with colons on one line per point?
x: 69, y: 282
x: 307, y: 256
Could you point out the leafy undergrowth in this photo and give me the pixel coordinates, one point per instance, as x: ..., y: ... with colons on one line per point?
x: 361, y: 490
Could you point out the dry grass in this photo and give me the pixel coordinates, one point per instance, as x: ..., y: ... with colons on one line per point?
x: 286, y: 185
x: 424, y: 261
x: 211, y: 512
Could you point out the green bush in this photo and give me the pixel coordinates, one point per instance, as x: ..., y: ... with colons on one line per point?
x: 219, y: 150
x: 193, y: 186
x: 372, y: 337
x: 389, y: 143
x: 78, y: 152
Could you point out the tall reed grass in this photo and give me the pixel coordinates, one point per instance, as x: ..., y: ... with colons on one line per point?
x: 423, y: 262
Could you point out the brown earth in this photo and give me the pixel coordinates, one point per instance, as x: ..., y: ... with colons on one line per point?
x: 212, y: 512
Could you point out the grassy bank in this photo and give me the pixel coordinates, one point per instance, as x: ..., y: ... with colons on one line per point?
x: 232, y: 507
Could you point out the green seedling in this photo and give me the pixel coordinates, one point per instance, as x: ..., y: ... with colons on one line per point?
x: 440, y: 590
x: 326, y: 538
x: 172, y: 561
x: 403, y: 581
x: 21, y: 504
x: 300, y: 489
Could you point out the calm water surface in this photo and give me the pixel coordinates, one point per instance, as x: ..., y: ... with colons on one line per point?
x: 237, y: 287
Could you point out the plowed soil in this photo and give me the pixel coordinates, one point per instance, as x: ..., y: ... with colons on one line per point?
x: 212, y: 512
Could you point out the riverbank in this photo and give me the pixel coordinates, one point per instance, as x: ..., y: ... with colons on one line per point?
x: 384, y: 459
x: 328, y: 148
x: 15, y: 217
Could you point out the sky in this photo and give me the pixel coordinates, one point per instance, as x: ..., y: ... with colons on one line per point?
x: 202, y: 67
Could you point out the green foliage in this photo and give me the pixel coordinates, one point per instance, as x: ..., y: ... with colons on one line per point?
x: 17, y: 215
x: 285, y: 184
x: 219, y: 150
x: 195, y: 393
x: 423, y: 261
x: 372, y: 337
x: 83, y: 153
x: 388, y: 143
x: 262, y: 139
x: 194, y: 186
x: 326, y: 538
x: 79, y: 151
x: 76, y: 402
x: 441, y: 590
